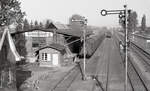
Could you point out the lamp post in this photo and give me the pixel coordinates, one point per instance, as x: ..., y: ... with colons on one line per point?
x: 84, y: 23
x: 123, y: 15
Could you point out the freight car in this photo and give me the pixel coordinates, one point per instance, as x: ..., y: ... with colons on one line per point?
x: 108, y: 34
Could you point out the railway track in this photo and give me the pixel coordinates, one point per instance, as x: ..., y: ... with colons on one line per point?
x: 70, y: 77
x: 102, y: 74
x: 145, y: 56
x: 67, y: 80
x: 135, y: 78
x: 137, y: 82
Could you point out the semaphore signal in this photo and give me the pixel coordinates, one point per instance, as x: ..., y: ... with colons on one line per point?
x: 123, y: 16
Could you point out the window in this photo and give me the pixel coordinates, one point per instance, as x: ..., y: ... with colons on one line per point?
x: 35, y: 44
x: 44, y: 57
x: 38, y: 41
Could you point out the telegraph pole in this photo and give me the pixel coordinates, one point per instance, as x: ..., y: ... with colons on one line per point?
x: 84, y: 77
x: 84, y: 22
x: 126, y: 48
x: 123, y: 15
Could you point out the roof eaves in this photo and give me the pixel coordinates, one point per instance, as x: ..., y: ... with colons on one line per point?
x: 2, y: 39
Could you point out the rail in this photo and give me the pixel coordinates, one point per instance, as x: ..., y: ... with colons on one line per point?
x: 65, y: 78
x: 142, y: 36
x: 141, y: 50
x: 133, y: 73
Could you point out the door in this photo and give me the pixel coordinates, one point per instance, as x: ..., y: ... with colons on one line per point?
x: 55, y: 59
x: 49, y: 57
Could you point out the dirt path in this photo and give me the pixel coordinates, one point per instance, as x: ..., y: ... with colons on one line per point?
x: 43, y: 80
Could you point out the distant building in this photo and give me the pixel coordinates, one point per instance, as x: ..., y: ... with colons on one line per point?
x: 51, y: 55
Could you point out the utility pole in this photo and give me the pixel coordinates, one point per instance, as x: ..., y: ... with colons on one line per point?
x: 123, y: 15
x: 84, y: 22
x: 126, y: 48
x: 84, y: 54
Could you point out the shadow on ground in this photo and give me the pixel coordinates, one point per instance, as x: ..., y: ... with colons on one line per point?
x: 22, y: 75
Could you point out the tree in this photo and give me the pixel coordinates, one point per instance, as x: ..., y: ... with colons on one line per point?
x: 36, y: 24
x: 74, y: 24
x: 20, y: 41
x: 132, y: 21
x: 143, y: 23
x: 47, y: 23
x: 26, y: 25
x: 41, y: 25
x: 10, y: 12
x: 31, y: 24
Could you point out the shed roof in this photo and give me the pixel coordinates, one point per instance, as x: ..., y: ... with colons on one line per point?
x: 58, y: 26
x: 55, y: 46
x: 61, y: 26
x: 66, y: 30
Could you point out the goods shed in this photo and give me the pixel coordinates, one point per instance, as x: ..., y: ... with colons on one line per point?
x: 51, y: 55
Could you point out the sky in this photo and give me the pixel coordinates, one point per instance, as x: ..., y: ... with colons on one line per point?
x: 62, y: 10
